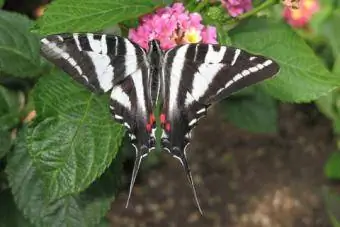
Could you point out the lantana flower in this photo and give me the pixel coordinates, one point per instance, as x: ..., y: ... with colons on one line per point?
x: 237, y: 7
x: 301, y: 16
x: 172, y: 25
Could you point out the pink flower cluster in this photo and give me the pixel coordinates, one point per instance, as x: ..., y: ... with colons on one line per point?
x: 237, y: 7
x: 172, y: 26
x: 302, y: 15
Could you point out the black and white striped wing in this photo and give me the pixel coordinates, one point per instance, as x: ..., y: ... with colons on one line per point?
x: 106, y: 62
x: 197, y: 75
x: 97, y: 61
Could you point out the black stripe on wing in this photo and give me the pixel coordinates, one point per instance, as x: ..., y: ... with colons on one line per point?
x: 98, y: 61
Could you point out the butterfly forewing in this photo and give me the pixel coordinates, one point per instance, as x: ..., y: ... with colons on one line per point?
x: 97, y: 61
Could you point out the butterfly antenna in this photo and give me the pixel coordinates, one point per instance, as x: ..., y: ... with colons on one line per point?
x: 185, y: 165
x: 136, y: 166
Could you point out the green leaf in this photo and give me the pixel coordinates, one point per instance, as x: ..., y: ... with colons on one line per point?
x: 76, y: 138
x: 326, y: 105
x: 335, y: 222
x: 5, y: 143
x: 336, y: 68
x: 332, y: 32
x: 320, y: 17
x: 302, y: 76
x: 9, y: 108
x: 2, y: 2
x: 84, y: 209
x: 9, y: 213
x: 19, y: 49
x: 103, y: 223
x: 91, y: 15
x: 332, y: 201
x: 9, y: 117
x: 256, y: 112
x: 332, y: 168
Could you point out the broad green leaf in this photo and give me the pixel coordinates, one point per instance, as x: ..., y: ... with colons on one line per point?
x: 332, y: 201
x: 91, y: 15
x: 331, y: 30
x: 84, y: 209
x: 256, y: 112
x: 332, y: 168
x: 19, y: 49
x: 10, y: 216
x: 302, y: 76
x: 76, y: 138
x: 2, y: 3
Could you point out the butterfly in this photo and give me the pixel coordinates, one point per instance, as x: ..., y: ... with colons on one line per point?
x: 183, y: 82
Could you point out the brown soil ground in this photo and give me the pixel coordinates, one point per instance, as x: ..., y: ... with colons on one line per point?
x: 243, y: 179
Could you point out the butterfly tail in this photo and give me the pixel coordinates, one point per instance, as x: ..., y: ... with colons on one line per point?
x: 139, y: 156
x: 183, y: 160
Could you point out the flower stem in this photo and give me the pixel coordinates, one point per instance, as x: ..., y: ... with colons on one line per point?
x: 259, y: 8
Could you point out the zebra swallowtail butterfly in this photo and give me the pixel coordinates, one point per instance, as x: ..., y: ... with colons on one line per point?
x: 186, y: 80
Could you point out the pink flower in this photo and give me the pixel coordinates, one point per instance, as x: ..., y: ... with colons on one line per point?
x: 301, y: 16
x: 237, y: 7
x: 172, y: 26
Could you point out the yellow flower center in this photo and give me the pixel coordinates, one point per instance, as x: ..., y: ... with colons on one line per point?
x: 192, y: 36
x: 296, y: 14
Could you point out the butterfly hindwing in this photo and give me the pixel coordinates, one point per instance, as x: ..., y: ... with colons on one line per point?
x: 130, y: 104
x: 97, y: 61
x: 195, y: 76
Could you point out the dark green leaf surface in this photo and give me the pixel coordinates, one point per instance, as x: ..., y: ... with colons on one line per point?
x: 84, y: 209
x: 91, y: 15
x: 9, y: 117
x: 332, y: 168
x: 302, y: 76
x: 10, y: 216
x: 76, y: 138
x: 5, y: 143
x: 255, y: 111
x: 19, y: 49
x: 9, y: 108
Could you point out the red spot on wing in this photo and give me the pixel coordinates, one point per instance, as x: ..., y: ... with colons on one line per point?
x: 167, y: 127
x: 152, y: 119
x: 162, y: 118
x: 148, y: 127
